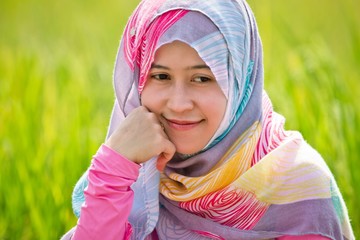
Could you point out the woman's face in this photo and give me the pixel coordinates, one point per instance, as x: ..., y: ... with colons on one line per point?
x: 184, y: 94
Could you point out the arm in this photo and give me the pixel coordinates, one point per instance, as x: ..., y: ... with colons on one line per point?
x: 108, y: 198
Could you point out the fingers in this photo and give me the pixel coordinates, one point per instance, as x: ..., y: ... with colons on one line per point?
x: 142, y: 136
x: 166, y: 155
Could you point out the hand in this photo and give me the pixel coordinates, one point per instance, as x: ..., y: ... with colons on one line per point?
x: 140, y: 137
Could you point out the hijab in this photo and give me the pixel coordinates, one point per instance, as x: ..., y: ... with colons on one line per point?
x: 253, y: 180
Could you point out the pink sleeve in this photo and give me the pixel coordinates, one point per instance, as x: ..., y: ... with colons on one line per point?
x: 108, y: 197
x: 304, y: 237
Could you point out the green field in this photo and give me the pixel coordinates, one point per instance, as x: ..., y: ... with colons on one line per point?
x: 56, y: 61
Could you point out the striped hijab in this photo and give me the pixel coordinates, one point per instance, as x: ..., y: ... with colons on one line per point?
x: 253, y: 180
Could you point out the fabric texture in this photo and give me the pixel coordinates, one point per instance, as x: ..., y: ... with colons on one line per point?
x: 253, y: 180
x: 108, y: 197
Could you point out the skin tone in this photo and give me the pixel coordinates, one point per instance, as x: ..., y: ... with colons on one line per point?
x: 183, y: 106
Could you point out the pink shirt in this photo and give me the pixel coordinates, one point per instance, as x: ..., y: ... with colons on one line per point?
x: 109, y: 198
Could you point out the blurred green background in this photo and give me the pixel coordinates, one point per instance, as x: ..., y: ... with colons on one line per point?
x: 56, y: 61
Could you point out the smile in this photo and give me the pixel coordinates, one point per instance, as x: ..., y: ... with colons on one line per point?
x: 182, y: 125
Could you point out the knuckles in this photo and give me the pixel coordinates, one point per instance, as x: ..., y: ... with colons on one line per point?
x: 143, y: 126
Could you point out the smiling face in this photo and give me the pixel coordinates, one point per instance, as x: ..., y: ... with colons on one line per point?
x: 184, y: 94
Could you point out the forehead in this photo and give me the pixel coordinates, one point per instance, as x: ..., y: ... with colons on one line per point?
x: 177, y: 52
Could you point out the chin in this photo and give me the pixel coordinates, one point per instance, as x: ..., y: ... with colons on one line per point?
x: 188, y: 150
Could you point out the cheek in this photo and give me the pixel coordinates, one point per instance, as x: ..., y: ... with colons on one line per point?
x: 216, y: 106
x: 150, y: 99
x: 145, y: 98
x: 219, y: 113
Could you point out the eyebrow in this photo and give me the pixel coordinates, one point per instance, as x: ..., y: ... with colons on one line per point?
x: 159, y: 66
x: 200, y: 66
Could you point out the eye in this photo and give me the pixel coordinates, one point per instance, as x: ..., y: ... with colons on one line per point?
x: 161, y: 76
x: 201, y: 79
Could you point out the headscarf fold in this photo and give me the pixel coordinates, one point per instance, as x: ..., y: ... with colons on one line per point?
x: 253, y: 180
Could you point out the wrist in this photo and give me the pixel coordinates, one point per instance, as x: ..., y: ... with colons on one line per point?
x: 120, y: 151
x: 115, y: 152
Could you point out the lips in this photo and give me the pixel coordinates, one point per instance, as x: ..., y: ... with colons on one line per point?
x: 182, y: 125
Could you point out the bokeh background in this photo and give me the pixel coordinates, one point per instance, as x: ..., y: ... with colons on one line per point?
x: 56, y: 63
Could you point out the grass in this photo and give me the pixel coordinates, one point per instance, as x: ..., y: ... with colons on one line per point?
x: 56, y: 61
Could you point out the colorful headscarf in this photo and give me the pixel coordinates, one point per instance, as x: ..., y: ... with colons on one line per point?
x: 253, y: 180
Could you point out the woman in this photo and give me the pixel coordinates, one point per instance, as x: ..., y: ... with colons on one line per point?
x: 190, y: 102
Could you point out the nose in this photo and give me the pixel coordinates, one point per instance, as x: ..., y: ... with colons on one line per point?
x: 180, y: 99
